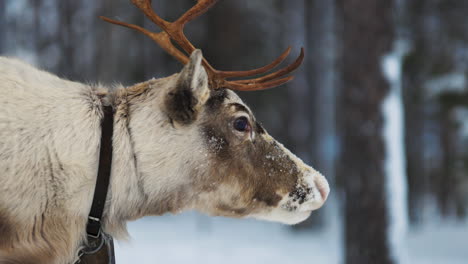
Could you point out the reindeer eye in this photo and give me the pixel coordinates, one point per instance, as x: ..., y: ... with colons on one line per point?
x: 241, y: 124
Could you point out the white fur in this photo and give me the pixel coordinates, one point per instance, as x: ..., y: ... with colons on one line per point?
x: 49, y: 146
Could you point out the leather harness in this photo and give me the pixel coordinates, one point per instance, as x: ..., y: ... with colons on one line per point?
x: 100, y: 246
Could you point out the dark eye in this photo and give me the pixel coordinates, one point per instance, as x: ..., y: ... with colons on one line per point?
x: 241, y: 124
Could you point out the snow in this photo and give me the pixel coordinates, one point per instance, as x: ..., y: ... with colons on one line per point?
x: 453, y: 82
x: 439, y: 243
x: 193, y: 238
x: 393, y: 134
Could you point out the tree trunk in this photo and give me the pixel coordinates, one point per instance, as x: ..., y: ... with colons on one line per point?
x: 431, y: 142
x: 366, y: 34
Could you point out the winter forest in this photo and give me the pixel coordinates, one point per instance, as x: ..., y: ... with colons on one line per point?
x: 380, y: 107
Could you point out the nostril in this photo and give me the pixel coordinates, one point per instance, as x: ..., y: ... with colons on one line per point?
x: 322, y: 186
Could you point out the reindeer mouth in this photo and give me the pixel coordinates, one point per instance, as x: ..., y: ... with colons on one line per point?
x: 310, y: 194
x: 285, y: 216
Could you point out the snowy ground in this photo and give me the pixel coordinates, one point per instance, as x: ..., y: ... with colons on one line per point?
x: 193, y: 238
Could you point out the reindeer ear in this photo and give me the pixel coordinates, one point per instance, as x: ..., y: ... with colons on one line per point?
x: 191, y: 91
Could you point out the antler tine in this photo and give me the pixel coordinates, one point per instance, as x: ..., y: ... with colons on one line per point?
x: 266, y: 68
x: 161, y: 38
x: 265, y: 82
x: 176, y: 29
x: 170, y: 31
x: 257, y: 86
x: 147, y: 9
x: 286, y: 70
x: 197, y: 10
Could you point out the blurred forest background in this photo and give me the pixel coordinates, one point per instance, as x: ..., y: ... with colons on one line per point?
x: 379, y: 105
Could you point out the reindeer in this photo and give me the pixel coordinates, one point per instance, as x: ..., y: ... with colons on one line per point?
x: 184, y: 142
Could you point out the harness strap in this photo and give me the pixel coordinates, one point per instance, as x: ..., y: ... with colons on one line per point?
x: 100, y: 250
x: 100, y: 246
x: 93, y: 228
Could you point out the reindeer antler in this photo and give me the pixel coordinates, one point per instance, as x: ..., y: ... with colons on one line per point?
x: 218, y: 79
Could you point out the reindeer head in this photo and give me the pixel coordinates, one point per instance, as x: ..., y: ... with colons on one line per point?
x: 206, y: 151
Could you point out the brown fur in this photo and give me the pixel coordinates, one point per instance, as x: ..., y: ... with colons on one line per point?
x: 259, y: 168
x: 45, y: 238
x: 6, y: 230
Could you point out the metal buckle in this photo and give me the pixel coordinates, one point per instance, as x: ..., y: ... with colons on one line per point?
x: 95, y: 236
x: 93, y: 245
x: 95, y: 220
x: 88, y: 252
